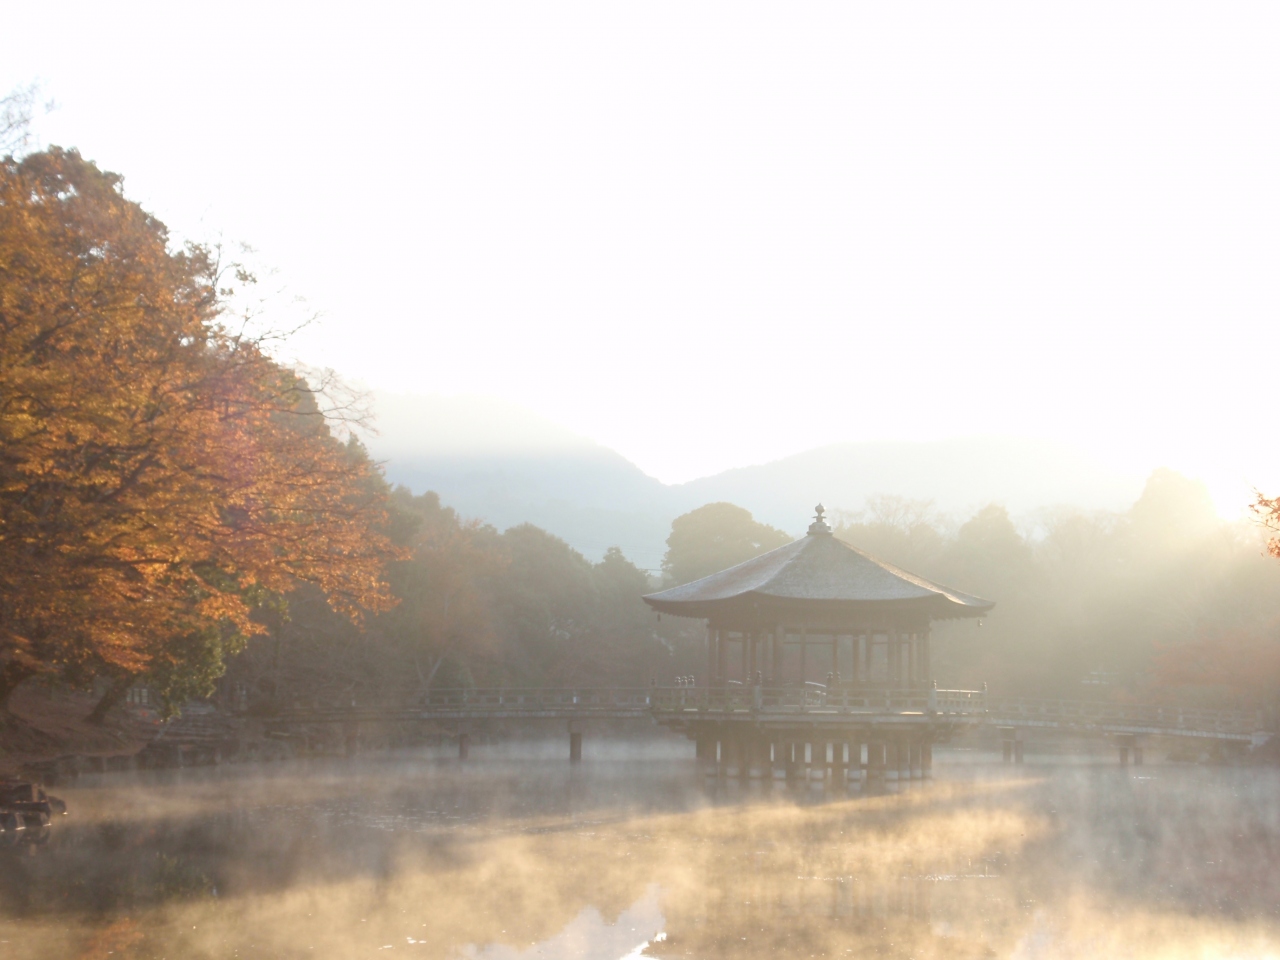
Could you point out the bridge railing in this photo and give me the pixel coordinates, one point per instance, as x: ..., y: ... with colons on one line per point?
x: 973, y: 705
x: 584, y: 698
x: 733, y: 697
x: 1095, y: 712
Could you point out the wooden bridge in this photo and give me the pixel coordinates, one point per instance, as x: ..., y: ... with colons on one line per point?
x: 761, y: 720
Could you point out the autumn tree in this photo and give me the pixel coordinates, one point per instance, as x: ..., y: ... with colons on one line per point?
x: 1267, y: 512
x: 713, y: 537
x: 160, y: 474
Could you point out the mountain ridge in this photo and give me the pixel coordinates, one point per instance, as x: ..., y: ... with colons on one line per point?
x: 501, y: 464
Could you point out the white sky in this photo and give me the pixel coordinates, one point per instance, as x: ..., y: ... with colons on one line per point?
x: 713, y: 234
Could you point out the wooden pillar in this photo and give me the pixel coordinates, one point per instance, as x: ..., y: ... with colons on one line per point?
x: 864, y: 657
x: 926, y: 666
x: 926, y: 760
x: 911, y: 660
x: 464, y: 746
x: 779, y: 635
x: 705, y: 746
x: 895, y: 658
x: 835, y: 655
x: 804, y: 649
x: 711, y: 655
x: 575, y: 741
x: 1126, y: 742
x: 751, y: 658
x: 722, y: 656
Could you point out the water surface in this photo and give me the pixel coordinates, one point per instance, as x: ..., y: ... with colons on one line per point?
x: 634, y: 853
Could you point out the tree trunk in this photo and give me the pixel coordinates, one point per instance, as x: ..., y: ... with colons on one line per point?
x: 115, y: 693
x: 11, y: 677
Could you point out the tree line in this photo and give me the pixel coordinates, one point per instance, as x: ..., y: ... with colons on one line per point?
x: 1162, y: 598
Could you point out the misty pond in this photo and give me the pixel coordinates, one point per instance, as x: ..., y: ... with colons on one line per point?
x: 517, y: 855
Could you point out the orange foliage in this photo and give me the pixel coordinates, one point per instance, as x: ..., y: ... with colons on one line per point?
x: 155, y: 469
x: 1267, y: 510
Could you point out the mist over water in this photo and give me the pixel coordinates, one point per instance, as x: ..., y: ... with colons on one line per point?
x: 635, y: 853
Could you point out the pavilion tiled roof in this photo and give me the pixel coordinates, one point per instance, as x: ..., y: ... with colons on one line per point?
x: 820, y: 568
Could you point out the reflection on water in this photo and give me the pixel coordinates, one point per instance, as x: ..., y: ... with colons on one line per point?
x: 636, y: 855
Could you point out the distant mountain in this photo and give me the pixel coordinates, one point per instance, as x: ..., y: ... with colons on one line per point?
x: 504, y: 465
x: 959, y: 476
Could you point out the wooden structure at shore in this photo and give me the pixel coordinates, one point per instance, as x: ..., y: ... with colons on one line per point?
x: 819, y: 612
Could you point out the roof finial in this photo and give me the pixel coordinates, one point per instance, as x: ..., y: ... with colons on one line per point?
x: 819, y: 525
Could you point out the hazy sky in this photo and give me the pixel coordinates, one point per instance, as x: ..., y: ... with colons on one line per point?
x: 713, y: 234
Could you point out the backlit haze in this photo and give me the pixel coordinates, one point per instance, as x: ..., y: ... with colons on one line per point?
x: 713, y: 235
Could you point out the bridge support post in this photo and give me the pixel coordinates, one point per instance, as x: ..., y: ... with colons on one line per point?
x: 351, y: 737
x: 464, y: 744
x: 1008, y: 737
x: 1017, y: 752
x: 926, y: 760
x: 875, y: 764
x: 575, y: 741
x: 891, y: 760
x: 1127, y: 742
x: 904, y: 757
x: 917, y: 761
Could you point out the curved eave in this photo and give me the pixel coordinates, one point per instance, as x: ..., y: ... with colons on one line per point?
x: 935, y: 606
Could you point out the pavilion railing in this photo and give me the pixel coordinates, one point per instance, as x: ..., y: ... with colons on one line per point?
x: 816, y: 698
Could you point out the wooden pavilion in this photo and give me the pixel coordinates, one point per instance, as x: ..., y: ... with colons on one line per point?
x: 817, y: 610
x: 818, y: 659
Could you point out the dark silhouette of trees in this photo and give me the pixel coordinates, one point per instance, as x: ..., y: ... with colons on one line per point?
x: 1092, y: 604
x: 713, y: 537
